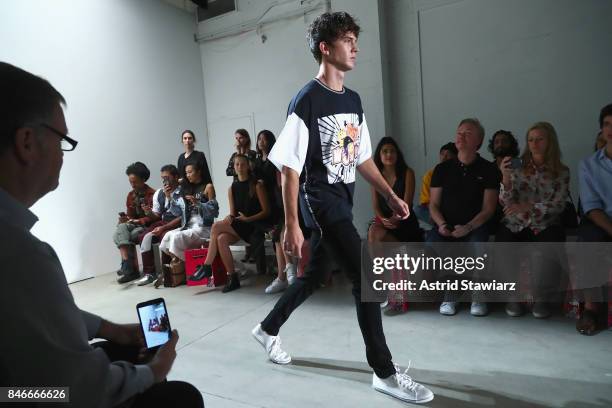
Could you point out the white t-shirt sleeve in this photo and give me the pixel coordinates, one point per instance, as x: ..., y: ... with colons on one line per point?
x: 365, y: 146
x: 291, y: 146
x: 156, y: 208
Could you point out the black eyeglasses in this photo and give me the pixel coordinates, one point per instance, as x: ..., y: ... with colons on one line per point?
x: 68, y: 144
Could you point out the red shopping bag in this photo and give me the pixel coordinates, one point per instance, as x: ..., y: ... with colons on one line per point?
x: 195, y: 257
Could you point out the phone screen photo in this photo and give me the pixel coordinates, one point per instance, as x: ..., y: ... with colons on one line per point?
x: 154, y: 322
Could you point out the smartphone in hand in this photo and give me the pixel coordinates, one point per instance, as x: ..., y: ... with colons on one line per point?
x: 154, y: 323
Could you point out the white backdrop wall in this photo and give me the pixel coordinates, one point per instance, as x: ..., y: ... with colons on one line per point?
x: 249, y: 83
x: 131, y: 74
x: 509, y: 63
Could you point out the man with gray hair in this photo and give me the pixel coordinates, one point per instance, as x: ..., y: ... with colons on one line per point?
x: 463, y: 197
x: 44, y: 341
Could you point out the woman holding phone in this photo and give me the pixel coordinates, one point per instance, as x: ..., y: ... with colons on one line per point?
x: 534, y: 193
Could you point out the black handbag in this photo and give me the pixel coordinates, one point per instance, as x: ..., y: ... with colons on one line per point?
x: 569, y: 216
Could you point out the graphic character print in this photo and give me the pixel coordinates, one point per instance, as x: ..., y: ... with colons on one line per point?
x: 340, y: 141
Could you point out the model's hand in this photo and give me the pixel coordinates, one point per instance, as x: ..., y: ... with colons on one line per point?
x: 293, y: 240
x: 398, y: 206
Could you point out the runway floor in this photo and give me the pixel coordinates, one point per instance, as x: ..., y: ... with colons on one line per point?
x: 493, y: 361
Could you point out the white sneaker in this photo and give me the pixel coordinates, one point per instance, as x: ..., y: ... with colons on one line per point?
x: 272, y: 346
x: 402, y: 386
x: 448, y: 308
x: 291, y: 273
x: 276, y: 286
x: 479, y: 309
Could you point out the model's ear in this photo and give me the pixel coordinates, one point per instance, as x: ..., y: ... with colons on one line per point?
x: 325, y: 48
x: 27, y: 146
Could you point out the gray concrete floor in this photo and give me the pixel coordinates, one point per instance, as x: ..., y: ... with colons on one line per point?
x: 494, y: 361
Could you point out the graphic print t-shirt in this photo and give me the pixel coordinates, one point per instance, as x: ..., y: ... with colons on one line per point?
x: 324, y: 139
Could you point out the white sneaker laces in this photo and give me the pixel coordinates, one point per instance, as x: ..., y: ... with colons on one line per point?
x: 403, y: 379
x: 275, y: 349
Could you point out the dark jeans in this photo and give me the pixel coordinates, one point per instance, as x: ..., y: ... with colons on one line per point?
x: 471, y: 248
x: 547, y: 266
x: 588, y: 231
x: 342, y: 242
x: 164, y: 394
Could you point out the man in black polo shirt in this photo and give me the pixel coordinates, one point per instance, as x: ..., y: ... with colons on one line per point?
x: 324, y: 141
x: 464, y: 195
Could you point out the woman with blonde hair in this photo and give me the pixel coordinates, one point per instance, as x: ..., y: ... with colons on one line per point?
x: 534, y: 193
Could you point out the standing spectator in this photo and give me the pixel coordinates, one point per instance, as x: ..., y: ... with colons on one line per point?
x: 463, y: 198
x: 595, y: 179
x: 192, y: 156
x: 243, y: 147
x: 167, y: 211
x: 447, y: 152
x: 533, y: 198
x: 133, y: 222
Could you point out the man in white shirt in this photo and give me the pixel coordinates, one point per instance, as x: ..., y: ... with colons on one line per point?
x: 44, y: 341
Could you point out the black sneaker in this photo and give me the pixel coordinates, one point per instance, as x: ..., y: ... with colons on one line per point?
x: 128, y: 278
x: 201, y: 272
x: 233, y: 283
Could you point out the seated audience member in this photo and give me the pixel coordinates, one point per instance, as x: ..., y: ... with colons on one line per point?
x: 167, y: 212
x: 595, y: 180
x: 447, y: 152
x: 503, y: 144
x: 533, y: 197
x: 267, y: 172
x: 243, y: 147
x: 463, y: 198
x: 132, y: 223
x: 192, y: 156
x: 390, y: 162
x: 386, y: 227
x: 45, y: 335
x: 249, y: 211
x: 199, y: 209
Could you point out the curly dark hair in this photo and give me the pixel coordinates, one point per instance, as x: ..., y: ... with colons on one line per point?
x: 327, y: 28
x: 605, y: 111
x: 400, y: 164
x: 513, y: 150
x: 138, y: 169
